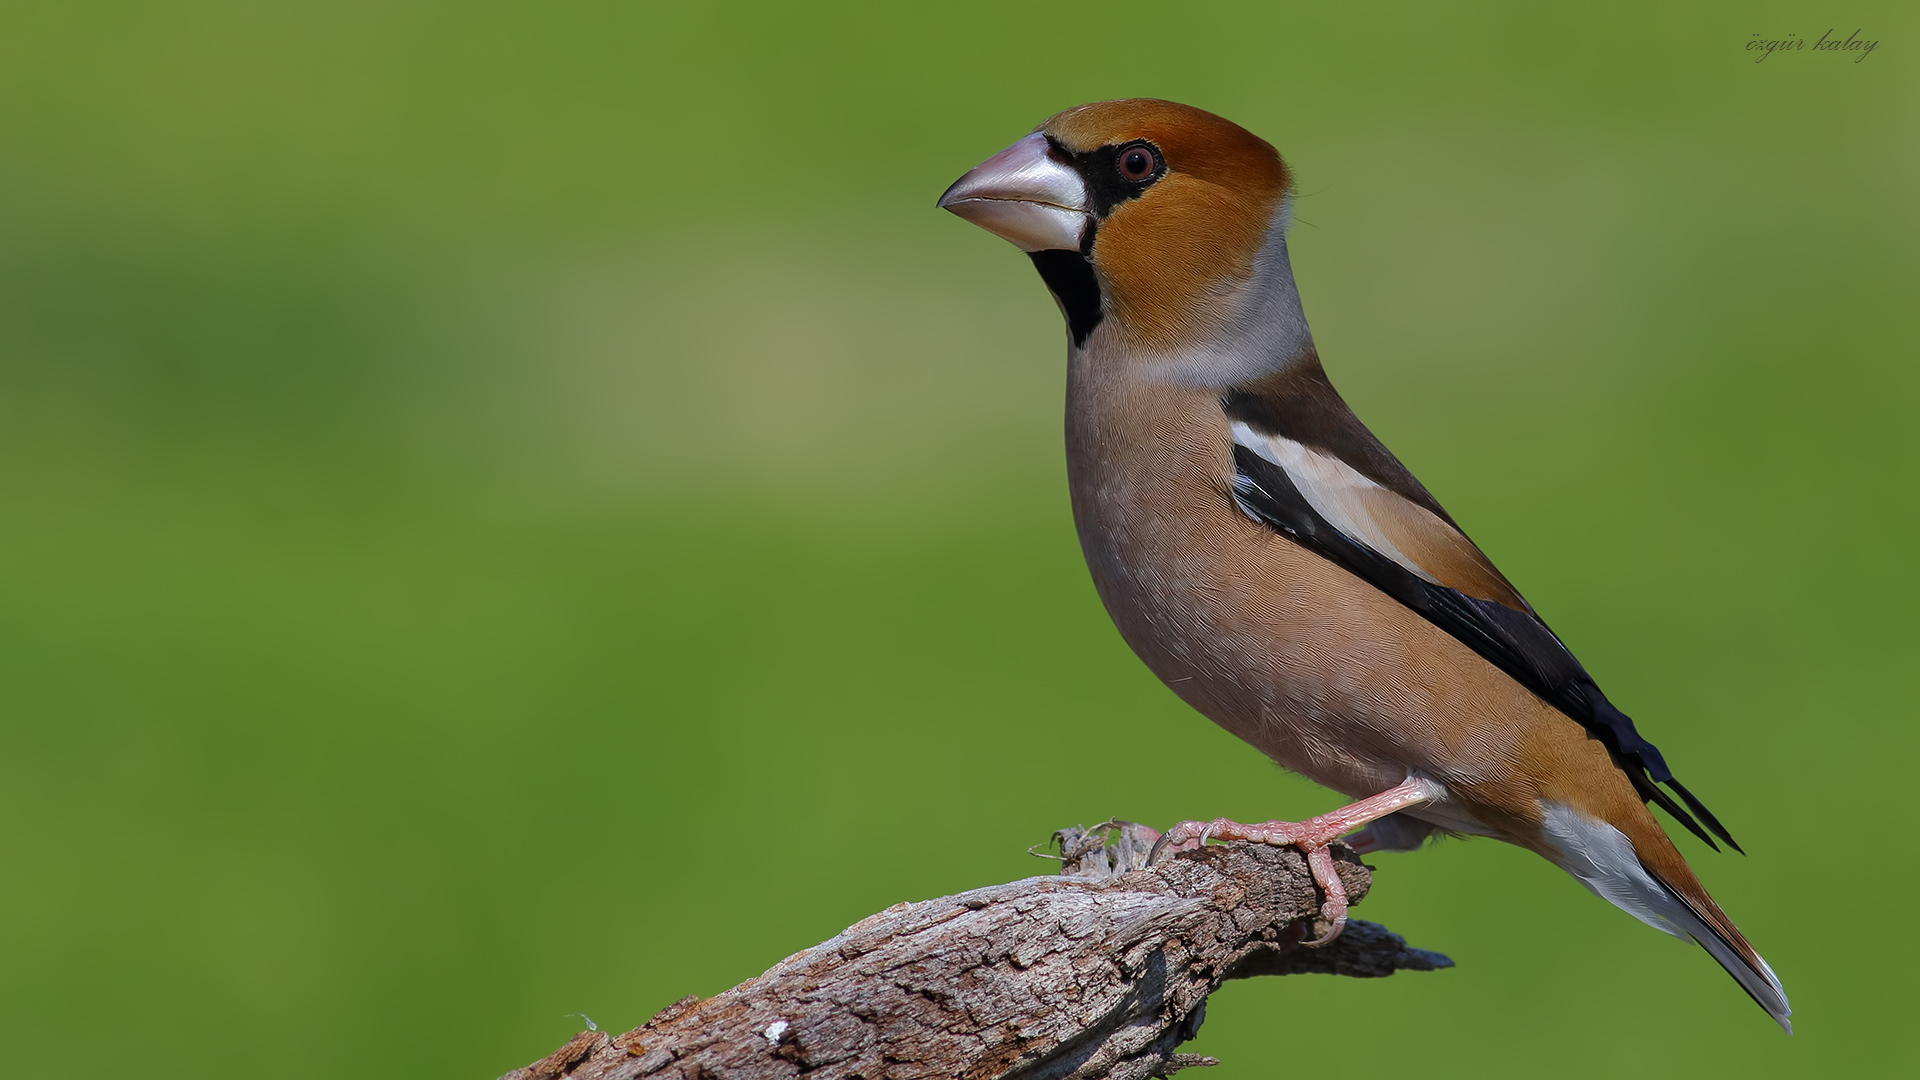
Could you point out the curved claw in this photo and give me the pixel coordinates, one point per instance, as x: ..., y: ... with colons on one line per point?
x: 1334, y: 908
x: 1159, y: 848
x: 1181, y: 837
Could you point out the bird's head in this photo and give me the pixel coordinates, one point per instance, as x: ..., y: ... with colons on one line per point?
x: 1147, y: 214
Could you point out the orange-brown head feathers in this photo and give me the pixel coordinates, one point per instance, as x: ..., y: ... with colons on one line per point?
x: 1150, y: 217
x: 1188, y: 234
x: 1199, y: 145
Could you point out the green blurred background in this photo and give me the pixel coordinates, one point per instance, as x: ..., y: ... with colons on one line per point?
x: 513, y: 510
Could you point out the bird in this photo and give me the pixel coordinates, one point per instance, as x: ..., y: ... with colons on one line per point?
x: 1274, y: 564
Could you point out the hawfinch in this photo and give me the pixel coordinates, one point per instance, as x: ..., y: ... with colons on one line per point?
x: 1278, y: 567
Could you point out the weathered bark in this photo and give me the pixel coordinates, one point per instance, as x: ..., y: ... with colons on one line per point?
x: 1099, y: 972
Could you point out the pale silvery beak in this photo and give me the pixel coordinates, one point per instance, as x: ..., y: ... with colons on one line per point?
x: 1023, y: 195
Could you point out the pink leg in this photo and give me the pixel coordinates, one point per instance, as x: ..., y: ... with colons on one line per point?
x: 1311, y: 836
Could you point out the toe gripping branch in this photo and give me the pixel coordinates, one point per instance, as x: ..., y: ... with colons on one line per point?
x: 1311, y: 837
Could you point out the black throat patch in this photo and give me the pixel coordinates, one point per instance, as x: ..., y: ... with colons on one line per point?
x: 1069, y: 276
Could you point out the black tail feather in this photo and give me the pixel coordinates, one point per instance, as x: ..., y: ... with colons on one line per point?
x: 1649, y: 793
x: 1706, y: 815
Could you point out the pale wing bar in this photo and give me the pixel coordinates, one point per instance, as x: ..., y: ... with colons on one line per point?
x: 1330, y: 508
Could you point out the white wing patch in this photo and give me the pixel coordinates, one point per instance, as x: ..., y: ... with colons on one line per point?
x: 1333, y: 488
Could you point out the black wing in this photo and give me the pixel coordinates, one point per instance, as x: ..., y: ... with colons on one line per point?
x: 1517, y: 642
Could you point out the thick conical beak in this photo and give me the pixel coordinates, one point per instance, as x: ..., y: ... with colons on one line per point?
x: 1023, y: 195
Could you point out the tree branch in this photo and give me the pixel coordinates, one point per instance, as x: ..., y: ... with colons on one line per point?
x: 1099, y: 972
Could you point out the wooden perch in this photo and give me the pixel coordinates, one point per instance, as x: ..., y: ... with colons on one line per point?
x: 1099, y: 972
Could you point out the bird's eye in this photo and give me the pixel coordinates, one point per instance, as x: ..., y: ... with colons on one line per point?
x: 1138, y: 163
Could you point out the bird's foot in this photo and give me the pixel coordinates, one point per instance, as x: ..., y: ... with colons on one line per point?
x: 1311, y: 837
